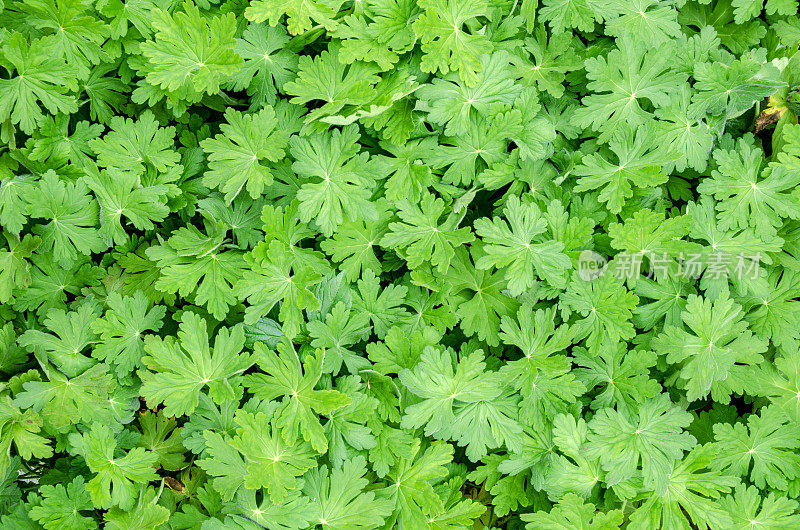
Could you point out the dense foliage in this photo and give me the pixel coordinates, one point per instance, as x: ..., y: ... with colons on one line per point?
x: 424, y: 264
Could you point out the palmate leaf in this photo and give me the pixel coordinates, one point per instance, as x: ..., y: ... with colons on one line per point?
x: 572, y: 512
x: 549, y: 61
x: 190, y: 364
x: 328, y: 79
x: 452, y: 101
x: 339, y: 500
x: 520, y: 248
x: 275, y: 277
x: 61, y: 507
x: 769, y: 443
x: 20, y: 429
x: 72, y: 217
x: 238, y: 155
x: 121, y: 194
x: 354, y: 244
x: 341, y: 329
x: 300, y: 13
x: 63, y: 402
x: 116, y: 480
x: 40, y: 80
x: 195, y: 263
x: 338, y: 178
x: 690, y: 496
x: 72, y: 32
x: 632, y: 72
x: 422, y: 237
x: 132, y: 146
x: 748, y: 508
x: 719, y: 339
x: 14, y: 267
x: 603, y: 306
x: 463, y: 404
x: 638, y: 163
x: 749, y: 197
x: 413, y: 496
x: 267, y: 67
x: 257, y: 457
x: 567, y: 14
x: 189, y: 52
x: 654, y: 435
x: 281, y: 376
x: 67, y: 344
x: 123, y: 329
x: 726, y: 91
x: 480, y: 299
x: 446, y: 46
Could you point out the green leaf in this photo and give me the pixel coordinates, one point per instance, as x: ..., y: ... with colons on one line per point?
x: 275, y: 277
x: 282, y: 376
x: 300, y: 14
x: 354, y: 244
x: 769, y: 442
x: 634, y: 71
x: 179, y: 369
x: 268, y: 65
x: 117, y: 478
x: 42, y: 80
x: 77, y: 35
x: 421, y: 236
x: 327, y: 78
x: 719, y: 339
x: 728, y: 90
x: 61, y: 507
x: 638, y: 161
x: 71, y: 335
x: 145, y: 515
x: 136, y: 146
x: 337, y: 178
x: 339, y: 500
x: 744, y: 199
x: 191, y: 53
x: 123, y: 330
x: 452, y: 102
x: 160, y: 436
x: 654, y: 435
x: 237, y: 155
x: 196, y: 263
x: 520, y: 248
x: 748, y: 508
x: 63, y: 402
x: 413, y: 495
x: 622, y: 375
x: 604, y: 306
x: 571, y: 512
x: 383, y: 306
x: 271, y: 462
x: 342, y: 328
x: 12, y: 358
x: 547, y: 61
x: 14, y: 267
x: 72, y: 216
x: 293, y: 513
x: 20, y: 428
x: 690, y: 496
x: 567, y: 14
x: 446, y: 46
x: 121, y: 194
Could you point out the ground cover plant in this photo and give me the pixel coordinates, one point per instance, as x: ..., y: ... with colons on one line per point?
x: 417, y: 264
